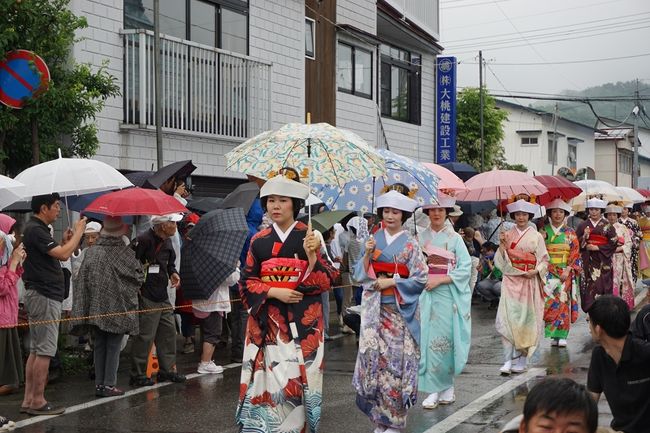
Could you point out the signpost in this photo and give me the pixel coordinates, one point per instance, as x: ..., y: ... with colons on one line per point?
x: 23, y: 76
x: 446, y: 115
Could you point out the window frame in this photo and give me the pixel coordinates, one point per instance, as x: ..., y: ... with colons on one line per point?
x: 414, y: 86
x: 530, y: 143
x: 353, y: 90
x: 313, y: 38
x: 552, y: 148
x: 625, y: 157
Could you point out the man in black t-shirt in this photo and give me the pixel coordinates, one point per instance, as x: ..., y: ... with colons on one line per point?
x: 620, y: 365
x: 45, y: 290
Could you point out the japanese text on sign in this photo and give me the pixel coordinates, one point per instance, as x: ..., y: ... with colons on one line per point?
x: 446, y: 113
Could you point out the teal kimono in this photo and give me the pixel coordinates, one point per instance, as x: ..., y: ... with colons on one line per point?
x: 445, y: 312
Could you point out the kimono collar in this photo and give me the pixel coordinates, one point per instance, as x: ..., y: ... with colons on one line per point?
x: 390, y: 238
x: 556, y: 230
x: 623, y: 220
x: 592, y: 222
x: 522, y: 232
x: 283, y: 235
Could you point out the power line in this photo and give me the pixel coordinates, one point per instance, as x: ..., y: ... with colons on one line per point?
x: 560, y: 98
x: 567, y: 62
x: 471, y: 5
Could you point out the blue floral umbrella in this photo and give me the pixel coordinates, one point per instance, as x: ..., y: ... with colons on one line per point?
x: 360, y: 195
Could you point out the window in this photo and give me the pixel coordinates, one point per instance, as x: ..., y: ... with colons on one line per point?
x: 207, y: 22
x: 572, y: 157
x: 552, y: 151
x: 400, y: 84
x: 354, y: 70
x: 529, y: 141
x: 310, y: 38
x: 625, y: 162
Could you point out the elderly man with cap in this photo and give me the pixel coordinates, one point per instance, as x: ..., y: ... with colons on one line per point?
x: 393, y: 274
x: 108, y: 282
x: 621, y: 262
x: 637, y: 237
x: 523, y: 259
x: 564, y: 267
x: 598, y: 242
x: 444, y: 306
x: 154, y: 250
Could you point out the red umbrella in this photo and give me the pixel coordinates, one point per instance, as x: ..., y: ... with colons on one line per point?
x: 644, y: 192
x: 136, y: 201
x: 558, y: 187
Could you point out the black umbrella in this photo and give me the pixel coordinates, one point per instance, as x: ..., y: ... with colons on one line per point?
x: 243, y: 196
x: 203, y: 204
x: 140, y: 178
x: 211, y: 251
x: 178, y: 169
x: 460, y: 169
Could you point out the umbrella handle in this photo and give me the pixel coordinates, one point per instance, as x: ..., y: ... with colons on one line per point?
x: 67, y: 209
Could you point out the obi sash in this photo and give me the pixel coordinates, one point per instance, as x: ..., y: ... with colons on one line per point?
x: 598, y: 240
x: 439, y: 260
x: 559, y: 254
x: 388, y: 270
x: 522, y: 261
x: 283, y: 272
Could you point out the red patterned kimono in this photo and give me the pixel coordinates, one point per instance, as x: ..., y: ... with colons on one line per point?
x: 281, y: 385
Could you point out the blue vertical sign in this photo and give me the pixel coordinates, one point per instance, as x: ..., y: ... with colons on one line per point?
x: 446, y: 113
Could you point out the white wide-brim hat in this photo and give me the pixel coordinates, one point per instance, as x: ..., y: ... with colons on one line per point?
x: 444, y: 201
x: 595, y: 203
x: 559, y: 204
x: 523, y: 206
x: 280, y: 185
x: 396, y: 200
x: 613, y: 209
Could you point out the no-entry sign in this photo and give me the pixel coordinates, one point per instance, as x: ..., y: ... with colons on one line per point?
x: 23, y: 75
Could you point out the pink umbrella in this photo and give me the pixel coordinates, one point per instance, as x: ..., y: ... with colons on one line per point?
x: 449, y: 182
x: 500, y: 184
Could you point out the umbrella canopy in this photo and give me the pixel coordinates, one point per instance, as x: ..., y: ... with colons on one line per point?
x: 71, y: 176
x: 500, y: 184
x: 632, y: 195
x: 644, y: 192
x: 136, y: 201
x: 139, y: 178
x: 203, y: 204
x: 326, y: 220
x: 360, y: 194
x: 11, y: 191
x: 460, y: 169
x: 332, y: 156
x: 243, y: 196
x: 595, y: 188
x: 211, y: 251
x: 178, y: 169
x: 558, y: 187
x: 449, y: 183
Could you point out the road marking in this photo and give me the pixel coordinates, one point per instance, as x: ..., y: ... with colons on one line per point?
x: 100, y: 401
x: 485, y: 400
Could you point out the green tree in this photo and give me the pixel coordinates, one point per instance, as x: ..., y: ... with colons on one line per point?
x: 468, y: 129
x: 63, y: 116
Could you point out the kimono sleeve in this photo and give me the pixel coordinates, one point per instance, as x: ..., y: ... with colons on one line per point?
x: 541, y: 254
x: 462, y: 272
x: 627, y: 244
x: 321, y: 278
x: 609, y: 248
x: 575, y: 259
x: 252, y: 290
x: 418, y: 271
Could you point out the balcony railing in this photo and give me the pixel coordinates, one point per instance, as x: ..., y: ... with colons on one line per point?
x: 205, y: 90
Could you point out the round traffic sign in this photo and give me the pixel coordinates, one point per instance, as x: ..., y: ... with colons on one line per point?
x: 23, y: 75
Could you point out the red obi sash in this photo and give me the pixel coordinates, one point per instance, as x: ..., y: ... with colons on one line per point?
x: 522, y: 260
x: 598, y: 240
x: 283, y: 272
x: 384, y: 269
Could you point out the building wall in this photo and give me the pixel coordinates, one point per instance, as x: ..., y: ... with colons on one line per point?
x: 605, y: 161
x: 361, y: 14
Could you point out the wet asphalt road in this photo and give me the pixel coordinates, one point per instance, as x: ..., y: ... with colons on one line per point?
x: 206, y: 403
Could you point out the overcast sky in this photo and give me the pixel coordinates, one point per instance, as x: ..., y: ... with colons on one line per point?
x: 582, y: 29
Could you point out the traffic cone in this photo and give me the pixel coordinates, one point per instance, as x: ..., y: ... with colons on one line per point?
x: 152, y: 362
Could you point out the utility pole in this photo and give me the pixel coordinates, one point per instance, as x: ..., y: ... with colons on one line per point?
x: 635, y: 111
x: 157, y: 82
x: 480, y: 90
x: 554, y: 149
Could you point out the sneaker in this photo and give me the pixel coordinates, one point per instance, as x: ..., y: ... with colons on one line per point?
x: 6, y: 424
x: 188, y: 347
x: 519, y: 365
x: 506, y: 368
x: 209, y: 368
x: 111, y: 391
x: 392, y: 430
x: 431, y: 402
x: 172, y: 377
x: 561, y: 342
x: 447, y: 396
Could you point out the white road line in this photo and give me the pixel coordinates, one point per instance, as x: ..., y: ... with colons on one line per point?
x: 482, y: 402
x: 100, y: 401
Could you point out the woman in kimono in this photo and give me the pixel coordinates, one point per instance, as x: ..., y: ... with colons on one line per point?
x: 444, y: 306
x: 598, y: 242
x: 281, y: 286
x: 637, y: 237
x: 393, y: 274
x: 621, y: 262
x: 523, y: 259
x: 564, y: 267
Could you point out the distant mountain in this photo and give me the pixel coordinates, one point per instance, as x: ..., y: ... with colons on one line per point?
x: 580, y: 112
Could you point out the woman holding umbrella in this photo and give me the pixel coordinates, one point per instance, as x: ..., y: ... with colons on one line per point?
x: 393, y: 274
x: 523, y: 258
x: 281, y: 285
x: 621, y: 262
x: 444, y: 306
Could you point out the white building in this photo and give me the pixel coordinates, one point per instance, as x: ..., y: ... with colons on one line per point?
x: 234, y: 68
x: 529, y: 140
x: 616, y: 142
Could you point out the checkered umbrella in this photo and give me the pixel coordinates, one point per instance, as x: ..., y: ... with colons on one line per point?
x: 211, y: 251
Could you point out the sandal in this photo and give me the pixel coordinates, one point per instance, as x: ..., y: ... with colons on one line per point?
x: 47, y: 409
